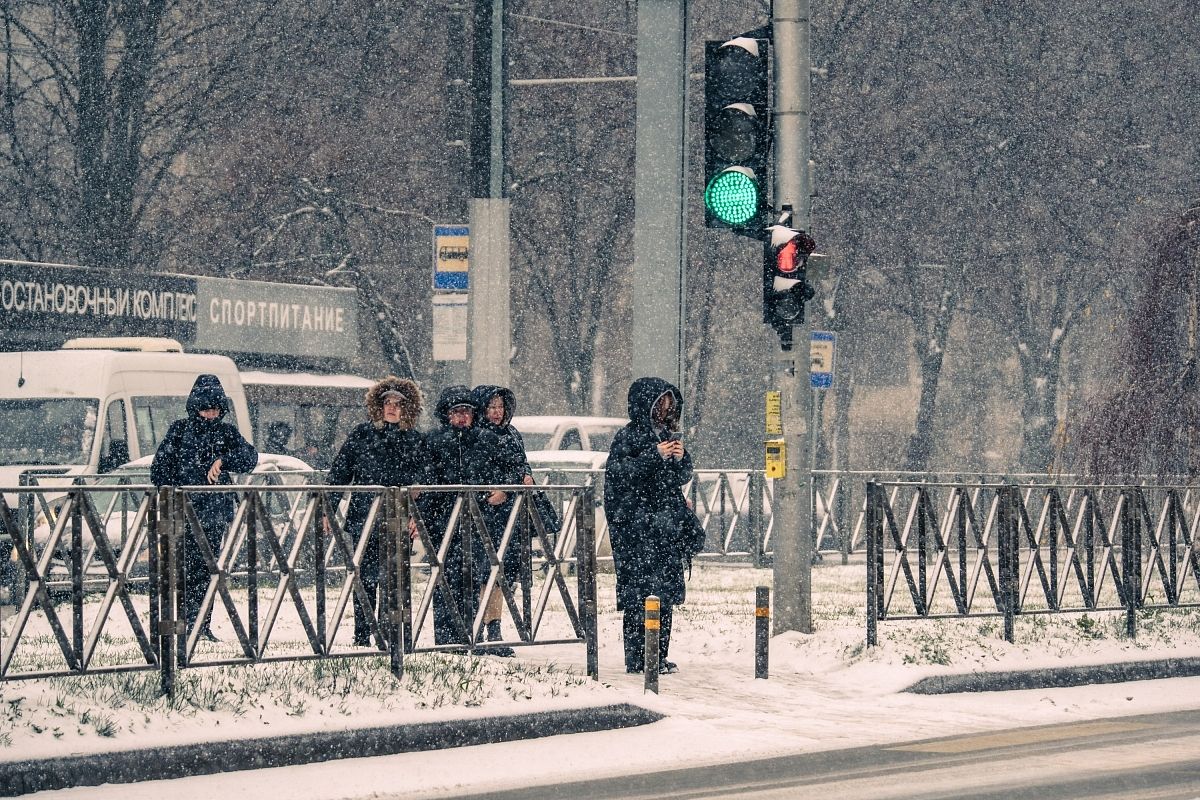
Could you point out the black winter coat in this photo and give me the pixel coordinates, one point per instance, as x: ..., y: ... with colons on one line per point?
x: 377, y: 455
x: 457, y: 456
x: 651, y: 529
x: 512, y: 465
x: 193, y: 444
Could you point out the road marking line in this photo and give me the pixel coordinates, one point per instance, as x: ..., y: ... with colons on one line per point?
x: 989, y: 741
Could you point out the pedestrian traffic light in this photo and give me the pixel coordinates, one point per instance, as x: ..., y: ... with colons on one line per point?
x: 785, y: 290
x: 737, y: 117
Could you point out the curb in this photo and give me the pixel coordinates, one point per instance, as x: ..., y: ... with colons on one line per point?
x: 206, y: 758
x: 1058, y: 677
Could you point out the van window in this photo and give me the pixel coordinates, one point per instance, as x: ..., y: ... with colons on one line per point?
x: 47, y: 431
x: 317, y: 431
x: 152, y: 416
x: 114, y: 447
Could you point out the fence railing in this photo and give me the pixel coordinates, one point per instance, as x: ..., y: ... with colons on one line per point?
x: 102, y: 574
x: 959, y: 550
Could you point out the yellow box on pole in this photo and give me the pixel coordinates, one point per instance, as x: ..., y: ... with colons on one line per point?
x: 776, y: 456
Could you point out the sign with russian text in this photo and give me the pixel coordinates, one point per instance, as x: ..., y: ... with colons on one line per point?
x: 45, y: 304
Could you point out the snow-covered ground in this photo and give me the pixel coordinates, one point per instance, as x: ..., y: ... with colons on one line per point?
x: 826, y: 691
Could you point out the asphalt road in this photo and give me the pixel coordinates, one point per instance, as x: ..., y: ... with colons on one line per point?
x: 1125, y: 757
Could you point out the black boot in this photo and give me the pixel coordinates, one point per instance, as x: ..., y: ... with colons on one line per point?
x: 493, y: 635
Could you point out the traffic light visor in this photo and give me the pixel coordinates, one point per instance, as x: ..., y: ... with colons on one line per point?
x: 733, y: 196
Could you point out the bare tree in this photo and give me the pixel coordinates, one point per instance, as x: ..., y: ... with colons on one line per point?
x: 101, y: 99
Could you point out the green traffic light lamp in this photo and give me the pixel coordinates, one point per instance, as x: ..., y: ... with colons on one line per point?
x: 733, y: 196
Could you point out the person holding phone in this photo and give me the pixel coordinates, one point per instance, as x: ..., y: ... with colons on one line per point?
x: 652, y: 530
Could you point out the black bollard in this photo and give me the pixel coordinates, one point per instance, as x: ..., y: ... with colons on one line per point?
x: 762, y: 630
x: 652, y: 633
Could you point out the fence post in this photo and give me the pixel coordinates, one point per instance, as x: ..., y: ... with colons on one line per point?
x: 762, y: 630
x: 585, y: 571
x: 76, y: 500
x: 318, y: 560
x: 396, y: 541
x: 252, y: 568
x: 872, y: 522
x: 164, y: 539
x: 757, y: 520
x: 652, y: 626
x: 404, y: 577
x: 1005, y: 543
x: 1131, y: 561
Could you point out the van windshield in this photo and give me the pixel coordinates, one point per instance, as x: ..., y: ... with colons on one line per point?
x: 47, y: 431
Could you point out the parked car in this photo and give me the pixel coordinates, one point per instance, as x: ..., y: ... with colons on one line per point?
x: 568, y: 433
x: 576, y: 468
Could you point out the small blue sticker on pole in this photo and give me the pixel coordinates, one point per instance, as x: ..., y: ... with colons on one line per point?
x: 821, y: 348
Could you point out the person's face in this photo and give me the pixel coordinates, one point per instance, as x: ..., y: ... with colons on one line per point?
x: 461, y: 417
x: 210, y: 413
x: 391, y: 411
x: 495, y: 410
x: 663, y: 408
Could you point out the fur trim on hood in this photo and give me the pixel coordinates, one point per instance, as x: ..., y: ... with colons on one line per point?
x: 410, y: 408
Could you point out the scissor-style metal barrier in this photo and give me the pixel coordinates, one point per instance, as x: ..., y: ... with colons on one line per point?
x: 958, y: 550
x: 103, y: 574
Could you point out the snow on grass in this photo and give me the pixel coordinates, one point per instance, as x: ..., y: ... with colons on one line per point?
x: 713, y: 642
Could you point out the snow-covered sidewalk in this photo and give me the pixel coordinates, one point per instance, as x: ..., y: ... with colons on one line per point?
x: 826, y: 691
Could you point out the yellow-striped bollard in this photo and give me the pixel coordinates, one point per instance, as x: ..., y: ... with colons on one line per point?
x: 653, y: 625
x: 762, y: 630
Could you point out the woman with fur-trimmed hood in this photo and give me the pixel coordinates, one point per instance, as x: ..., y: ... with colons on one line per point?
x: 386, y: 451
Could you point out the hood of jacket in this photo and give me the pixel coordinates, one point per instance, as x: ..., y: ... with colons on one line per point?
x: 410, y: 405
x: 644, y: 393
x: 484, y: 394
x: 207, y: 392
x: 454, y: 396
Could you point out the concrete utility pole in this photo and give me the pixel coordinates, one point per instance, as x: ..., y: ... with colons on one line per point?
x: 660, y: 219
x: 489, y: 320
x: 793, y: 493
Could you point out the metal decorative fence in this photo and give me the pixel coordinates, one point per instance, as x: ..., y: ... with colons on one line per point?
x: 101, y: 574
x: 959, y: 550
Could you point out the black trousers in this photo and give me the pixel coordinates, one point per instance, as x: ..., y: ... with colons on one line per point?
x: 195, y: 571
x: 634, y: 629
x: 368, y: 573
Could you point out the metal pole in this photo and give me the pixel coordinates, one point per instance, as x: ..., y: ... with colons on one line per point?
x: 489, y: 317
x: 660, y: 189
x: 168, y: 624
x: 872, y: 522
x: 585, y: 569
x: 793, y: 520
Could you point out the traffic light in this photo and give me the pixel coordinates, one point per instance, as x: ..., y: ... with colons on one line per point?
x: 785, y: 290
x: 737, y: 117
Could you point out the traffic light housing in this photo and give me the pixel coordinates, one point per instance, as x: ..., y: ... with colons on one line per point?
x: 785, y: 288
x: 737, y: 133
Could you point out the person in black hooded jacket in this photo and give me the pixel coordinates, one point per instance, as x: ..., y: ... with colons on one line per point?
x: 199, y: 450
x: 651, y: 528
x: 385, y: 451
x: 460, y: 454
x: 496, y: 405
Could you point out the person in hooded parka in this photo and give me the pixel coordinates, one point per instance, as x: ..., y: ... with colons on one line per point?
x: 387, y: 450
x: 461, y: 453
x: 199, y: 450
x: 652, y: 530
x: 496, y: 405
